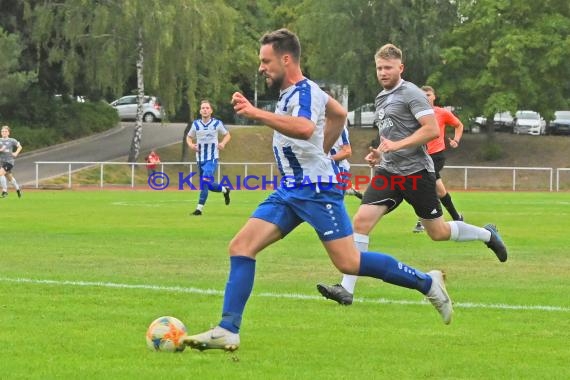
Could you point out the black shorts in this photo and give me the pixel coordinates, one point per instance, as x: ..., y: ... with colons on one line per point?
x: 7, y: 166
x: 438, y: 162
x: 417, y: 189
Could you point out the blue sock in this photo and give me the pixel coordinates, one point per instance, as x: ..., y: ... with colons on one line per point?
x: 388, y: 269
x: 238, y: 289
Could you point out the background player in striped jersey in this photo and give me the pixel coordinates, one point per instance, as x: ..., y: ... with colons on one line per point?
x: 340, y: 153
x: 205, y: 132
x: 306, y: 124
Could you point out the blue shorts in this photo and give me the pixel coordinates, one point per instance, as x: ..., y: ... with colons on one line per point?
x: 208, y: 168
x: 324, y: 211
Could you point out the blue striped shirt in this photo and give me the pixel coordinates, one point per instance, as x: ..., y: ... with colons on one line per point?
x: 303, y: 160
x: 206, y: 136
x: 343, y: 165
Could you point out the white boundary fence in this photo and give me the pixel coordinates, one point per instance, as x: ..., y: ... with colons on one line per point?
x: 558, y: 170
x: 544, y: 178
x: 502, y: 168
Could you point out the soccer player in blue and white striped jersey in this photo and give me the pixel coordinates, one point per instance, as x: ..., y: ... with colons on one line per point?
x: 205, y: 132
x: 339, y: 153
x: 306, y: 124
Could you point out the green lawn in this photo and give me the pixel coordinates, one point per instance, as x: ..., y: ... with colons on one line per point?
x: 83, y: 273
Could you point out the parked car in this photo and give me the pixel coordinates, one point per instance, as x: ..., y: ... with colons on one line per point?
x: 502, y: 121
x: 71, y: 98
x: 127, y: 108
x: 367, y: 115
x: 561, y: 123
x: 529, y: 122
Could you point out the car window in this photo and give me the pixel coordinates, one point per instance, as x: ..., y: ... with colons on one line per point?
x: 527, y: 115
x: 503, y: 115
x: 564, y: 115
x: 127, y: 100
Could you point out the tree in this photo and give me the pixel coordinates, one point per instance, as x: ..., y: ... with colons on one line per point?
x: 340, y: 38
x: 12, y: 79
x: 507, y: 55
x: 185, y: 46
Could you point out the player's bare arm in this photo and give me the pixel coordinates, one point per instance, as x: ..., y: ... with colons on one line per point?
x: 291, y: 126
x: 335, y: 119
x: 225, y: 141
x: 454, y: 142
x: 344, y: 153
x: 191, y: 144
x: 373, y: 157
x: 18, y: 150
x: 427, y: 132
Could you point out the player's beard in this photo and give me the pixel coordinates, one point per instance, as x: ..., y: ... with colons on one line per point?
x: 275, y: 83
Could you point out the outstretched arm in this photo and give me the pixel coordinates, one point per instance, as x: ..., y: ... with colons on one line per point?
x: 291, y: 126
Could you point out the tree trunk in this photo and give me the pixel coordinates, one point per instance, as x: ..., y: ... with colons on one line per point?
x: 184, y: 157
x: 490, y: 128
x: 137, y: 135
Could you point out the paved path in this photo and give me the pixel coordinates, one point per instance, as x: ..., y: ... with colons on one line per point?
x: 112, y: 145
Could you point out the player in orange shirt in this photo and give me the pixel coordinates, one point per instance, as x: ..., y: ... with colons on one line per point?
x: 436, y: 149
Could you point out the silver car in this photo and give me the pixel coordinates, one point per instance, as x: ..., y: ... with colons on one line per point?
x: 529, y: 122
x: 127, y: 108
x: 363, y: 115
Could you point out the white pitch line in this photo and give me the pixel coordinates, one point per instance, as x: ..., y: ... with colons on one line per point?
x: 192, y: 290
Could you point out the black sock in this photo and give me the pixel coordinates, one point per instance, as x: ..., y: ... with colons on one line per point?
x: 448, y: 204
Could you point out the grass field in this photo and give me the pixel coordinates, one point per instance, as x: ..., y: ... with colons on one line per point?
x: 83, y: 273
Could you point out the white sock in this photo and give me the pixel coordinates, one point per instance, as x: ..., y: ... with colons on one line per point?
x: 349, y: 280
x: 200, y: 207
x: 461, y: 231
x: 15, y: 184
x: 3, y: 183
x: 224, y: 189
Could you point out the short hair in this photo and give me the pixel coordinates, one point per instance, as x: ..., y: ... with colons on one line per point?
x: 428, y: 88
x: 6, y: 127
x: 205, y: 101
x: 283, y: 41
x: 389, y: 51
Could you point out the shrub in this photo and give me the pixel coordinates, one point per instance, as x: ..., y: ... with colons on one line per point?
x: 491, y: 151
x: 39, y: 120
x: 35, y: 138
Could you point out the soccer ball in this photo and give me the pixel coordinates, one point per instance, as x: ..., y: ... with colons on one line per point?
x: 166, y: 334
